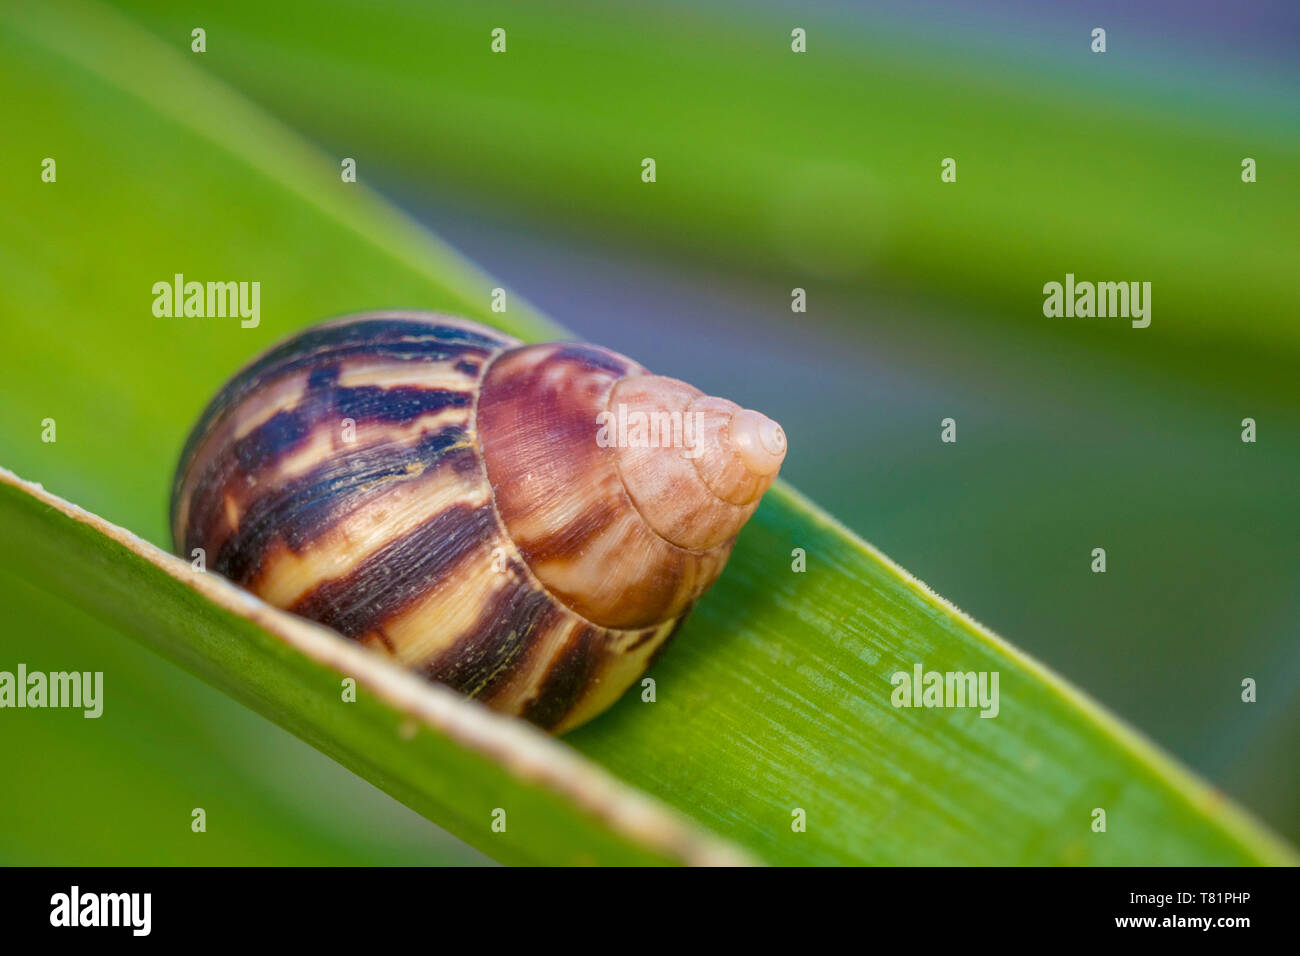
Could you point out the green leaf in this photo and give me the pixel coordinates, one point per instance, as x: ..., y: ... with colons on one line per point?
x: 775, y: 697
x: 824, y: 165
x: 450, y: 759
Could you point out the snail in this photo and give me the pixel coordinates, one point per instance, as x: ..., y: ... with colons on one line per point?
x: 528, y: 524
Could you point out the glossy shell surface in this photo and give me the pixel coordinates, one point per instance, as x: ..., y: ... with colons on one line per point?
x: 431, y: 488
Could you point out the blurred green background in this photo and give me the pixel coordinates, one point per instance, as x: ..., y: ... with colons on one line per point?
x: 775, y: 170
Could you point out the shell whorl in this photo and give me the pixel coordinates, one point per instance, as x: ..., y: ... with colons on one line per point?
x: 433, y: 489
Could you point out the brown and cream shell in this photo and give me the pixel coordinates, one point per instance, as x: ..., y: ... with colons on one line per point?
x: 528, y: 524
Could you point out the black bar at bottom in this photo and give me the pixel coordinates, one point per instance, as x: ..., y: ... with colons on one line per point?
x: 583, y: 907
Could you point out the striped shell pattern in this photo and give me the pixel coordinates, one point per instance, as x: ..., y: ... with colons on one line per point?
x: 437, y: 491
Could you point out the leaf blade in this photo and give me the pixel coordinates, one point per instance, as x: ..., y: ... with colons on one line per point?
x: 898, y: 786
x: 450, y: 759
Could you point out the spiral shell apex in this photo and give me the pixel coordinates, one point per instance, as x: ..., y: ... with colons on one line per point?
x: 528, y: 524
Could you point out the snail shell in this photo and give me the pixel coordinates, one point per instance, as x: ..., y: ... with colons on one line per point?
x: 485, y: 512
